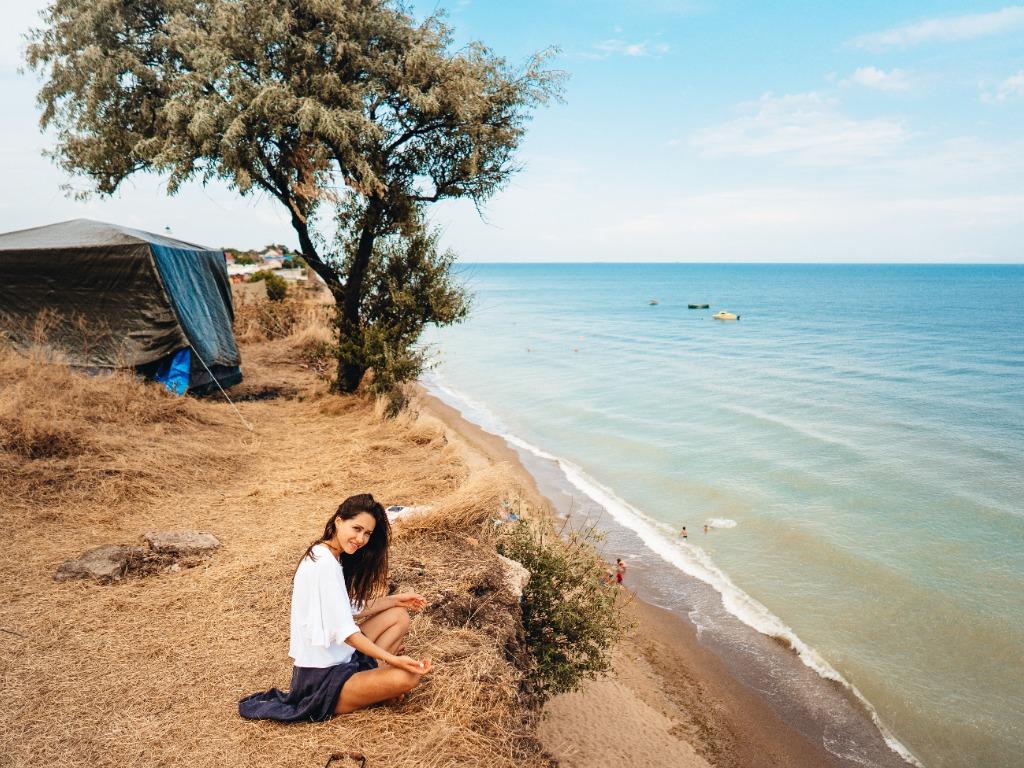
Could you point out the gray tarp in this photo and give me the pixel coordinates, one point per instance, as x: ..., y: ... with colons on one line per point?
x: 117, y: 297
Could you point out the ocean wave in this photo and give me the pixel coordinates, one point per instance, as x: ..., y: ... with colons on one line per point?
x: 721, y: 522
x: 690, y: 559
x: 794, y: 426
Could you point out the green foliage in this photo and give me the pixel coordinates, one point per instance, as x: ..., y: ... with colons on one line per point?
x: 410, y: 285
x: 284, y: 98
x: 245, y: 258
x: 277, y: 286
x: 570, y: 614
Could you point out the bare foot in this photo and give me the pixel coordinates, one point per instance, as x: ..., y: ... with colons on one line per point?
x: 396, y: 700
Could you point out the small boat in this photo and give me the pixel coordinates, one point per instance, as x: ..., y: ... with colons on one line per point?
x: 698, y: 306
x: 725, y: 316
x: 653, y: 302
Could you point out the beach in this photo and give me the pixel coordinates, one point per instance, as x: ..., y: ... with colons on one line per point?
x: 680, y: 344
x: 849, y: 477
x: 669, y: 701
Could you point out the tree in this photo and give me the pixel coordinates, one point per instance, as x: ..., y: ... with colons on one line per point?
x: 342, y: 110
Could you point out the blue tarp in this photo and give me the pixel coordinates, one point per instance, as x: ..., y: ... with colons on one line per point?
x: 174, y: 371
x: 200, y: 292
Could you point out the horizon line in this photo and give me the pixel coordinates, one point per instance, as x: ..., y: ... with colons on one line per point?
x: 758, y: 263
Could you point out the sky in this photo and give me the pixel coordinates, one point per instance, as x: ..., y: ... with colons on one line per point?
x: 690, y: 131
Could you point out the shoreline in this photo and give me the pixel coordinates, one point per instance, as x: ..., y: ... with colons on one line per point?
x: 674, y: 702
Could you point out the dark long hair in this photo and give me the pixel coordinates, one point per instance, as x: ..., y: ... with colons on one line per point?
x: 366, y: 572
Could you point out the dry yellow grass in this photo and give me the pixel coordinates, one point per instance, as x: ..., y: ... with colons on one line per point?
x: 148, y: 671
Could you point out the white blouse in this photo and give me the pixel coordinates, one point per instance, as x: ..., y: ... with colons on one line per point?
x: 321, y: 612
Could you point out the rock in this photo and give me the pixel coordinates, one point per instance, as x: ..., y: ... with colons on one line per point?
x: 103, y: 563
x: 178, y: 543
x: 516, y: 576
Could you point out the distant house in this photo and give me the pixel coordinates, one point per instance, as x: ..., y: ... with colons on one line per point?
x: 242, y: 271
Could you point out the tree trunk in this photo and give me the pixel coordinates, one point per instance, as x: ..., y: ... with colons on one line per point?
x: 350, y: 368
x: 313, y: 258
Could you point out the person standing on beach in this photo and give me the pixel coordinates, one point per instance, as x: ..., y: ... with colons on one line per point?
x: 620, y: 570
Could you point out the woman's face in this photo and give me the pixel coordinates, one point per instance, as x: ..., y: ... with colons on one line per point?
x: 351, y: 535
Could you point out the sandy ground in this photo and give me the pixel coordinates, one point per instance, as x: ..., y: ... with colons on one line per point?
x: 669, y: 702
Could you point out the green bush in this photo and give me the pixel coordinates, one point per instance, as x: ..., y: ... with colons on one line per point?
x: 410, y: 285
x: 571, y: 616
x: 244, y: 258
x: 277, y: 286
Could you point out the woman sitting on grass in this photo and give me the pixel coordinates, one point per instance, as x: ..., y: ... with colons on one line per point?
x: 336, y: 669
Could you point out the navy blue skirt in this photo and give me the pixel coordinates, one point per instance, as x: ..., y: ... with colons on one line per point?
x: 313, y: 694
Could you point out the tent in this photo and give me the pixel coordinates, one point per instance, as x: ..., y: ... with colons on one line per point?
x: 114, y: 297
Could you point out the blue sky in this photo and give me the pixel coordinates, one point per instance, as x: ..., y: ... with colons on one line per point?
x: 691, y: 131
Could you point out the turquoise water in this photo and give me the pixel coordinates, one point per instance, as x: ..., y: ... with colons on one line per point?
x: 856, y: 441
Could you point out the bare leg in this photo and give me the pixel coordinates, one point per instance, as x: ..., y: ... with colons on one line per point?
x: 388, y: 628
x: 373, y: 686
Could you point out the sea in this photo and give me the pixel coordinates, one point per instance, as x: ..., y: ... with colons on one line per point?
x: 847, y: 457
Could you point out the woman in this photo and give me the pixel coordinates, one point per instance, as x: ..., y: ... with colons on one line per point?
x: 336, y: 661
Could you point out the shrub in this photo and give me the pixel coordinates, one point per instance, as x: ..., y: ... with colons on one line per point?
x: 410, y: 287
x: 277, y: 286
x: 571, y: 616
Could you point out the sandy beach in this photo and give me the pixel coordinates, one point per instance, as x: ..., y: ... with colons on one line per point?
x: 669, y: 700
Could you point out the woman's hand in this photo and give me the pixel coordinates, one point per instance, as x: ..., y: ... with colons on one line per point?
x: 410, y: 601
x: 408, y: 663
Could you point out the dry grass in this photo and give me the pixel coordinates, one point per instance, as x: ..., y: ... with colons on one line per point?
x: 149, y: 671
x: 57, y: 447
x: 479, y: 499
x: 262, y: 320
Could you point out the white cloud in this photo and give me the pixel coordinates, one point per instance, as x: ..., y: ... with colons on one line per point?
x: 821, y: 222
x: 1011, y: 87
x: 944, y: 30
x: 617, y: 46
x: 807, y: 127
x: 879, y: 79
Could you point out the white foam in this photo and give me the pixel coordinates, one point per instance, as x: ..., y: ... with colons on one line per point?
x: 721, y: 522
x: 688, y: 558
